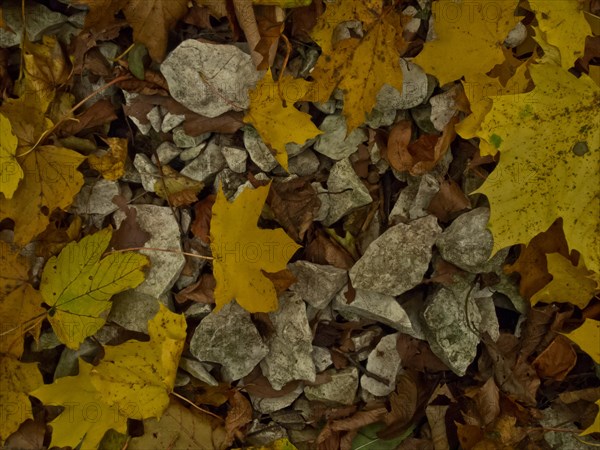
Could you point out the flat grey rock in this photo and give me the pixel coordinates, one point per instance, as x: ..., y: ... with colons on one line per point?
x: 414, y: 89
x: 467, y: 243
x: 192, y: 153
x: 385, y: 362
x: 132, y: 309
x: 209, y: 163
x: 164, y: 231
x: 396, y: 261
x: 317, y: 284
x: 363, y: 342
x: 290, y: 347
x: 321, y: 358
x: 372, y: 305
x: 341, y: 390
x: 268, y: 405
x: 415, y: 198
x: 236, y: 158
x: 148, y: 171
x: 197, y: 370
x: 447, y: 328
x: 210, y: 79
x: 183, y: 140
x: 229, y: 338
x: 346, y: 192
x: 304, y: 164
x: 377, y: 118
x: 95, y: 197
x: 171, y: 121
x: 167, y: 152
x: 258, y: 150
x: 39, y: 21
x: 333, y: 142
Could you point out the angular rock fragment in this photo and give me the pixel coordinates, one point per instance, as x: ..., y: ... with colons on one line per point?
x: 333, y: 142
x: 209, y: 163
x: 229, y: 338
x: 384, y: 361
x: 258, y: 150
x: 317, y: 284
x: 396, y: 261
x: 341, y: 390
x: 290, y: 347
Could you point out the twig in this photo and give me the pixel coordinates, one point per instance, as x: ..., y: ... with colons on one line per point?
x: 166, y: 250
x: 361, y: 368
x: 181, y: 397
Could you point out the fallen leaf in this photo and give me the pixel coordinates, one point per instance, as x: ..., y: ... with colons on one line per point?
x: 358, y: 66
x: 58, y: 234
x: 569, y: 283
x: 279, y: 444
x: 202, y: 291
x: 111, y: 165
x: 78, y: 285
x: 238, y: 416
x: 150, y: 20
x: 563, y: 25
x: 469, y: 38
x: 11, y: 170
x: 528, y: 190
x: 29, y: 436
x: 587, y: 337
x: 17, y: 380
x: 367, y: 438
x: 322, y: 249
x: 272, y: 113
x: 556, y: 361
x: 532, y: 264
x: 486, y: 400
x: 242, y: 251
x: 178, y: 189
x: 448, y: 200
x: 98, y: 114
x: 203, y: 214
x: 595, y: 427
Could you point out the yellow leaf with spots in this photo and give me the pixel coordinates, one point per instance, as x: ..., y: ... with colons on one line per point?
x: 587, y: 337
x: 273, y: 115
x: 549, y: 144
x: 17, y: 380
x: 79, y: 283
x: 111, y: 164
x: 178, y: 189
x: 358, y: 66
x: 138, y: 377
x: 561, y: 23
x: 468, y: 38
x: 19, y: 302
x: 569, y: 283
x: 10, y: 169
x: 87, y: 416
x: 242, y: 252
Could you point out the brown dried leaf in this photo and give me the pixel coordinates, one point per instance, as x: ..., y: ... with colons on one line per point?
x: 238, y: 416
x: 487, y: 401
x: 557, y: 360
x: 449, y: 199
x: 98, y: 114
x: 282, y: 280
x: 416, y: 354
x: 203, y: 213
x: 202, y: 291
x: 324, y: 250
x: 129, y: 234
x: 403, y: 401
x: 257, y: 385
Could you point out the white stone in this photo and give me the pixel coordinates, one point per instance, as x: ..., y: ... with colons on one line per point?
x: 317, y: 284
x: 183, y: 140
x: 258, y: 150
x: 414, y: 89
x: 167, y: 152
x: 268, y: 405
x: 198, y: 371
x: 321, y: 358
x: 341, y: 390
x: 333, y: 142
x: 236, y: 158
x: 384, y: 361
x: 304, y: 164
x: 95, y: 197
x: 148, y: 171
x: 171, y: 121
x: 206, y: 165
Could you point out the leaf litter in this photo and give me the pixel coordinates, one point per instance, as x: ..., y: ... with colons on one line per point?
x: 362, y: 255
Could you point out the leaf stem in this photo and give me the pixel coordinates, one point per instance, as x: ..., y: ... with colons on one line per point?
x: 166, y: 250
x: 181, y: 397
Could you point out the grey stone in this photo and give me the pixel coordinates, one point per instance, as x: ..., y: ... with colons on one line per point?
x: 414, y: 199
x: 206, y: 165
x: 95, y: 197
x: 325, y: 205
x: 236, y: 158
x: 422, y: 117
x: 489, y: 321
x: 267, y: 405
x: 171, y: 121
x: 264, y: 434
x: 148, y: 171
x: 155, y: 118
x: 290, y: 348
x: 362, y: 343
x: 377, y: 118
x: 191, y: 153
x: 333, y: 142
x: 341, y: 390
x: 327, y: 107
x: 317, y: 284
x: 229, y: 181
x: 129, y: 96
x: 39, y: 21
x: 259, y: 152
x: 443, y: 107
x: 384, y: 361
x: 467, y: 243
x: 321, y: 358
x: 229, y: 338
x: 375, y: 306
x: 210, y: 79
x: 198, y: 311
x: 183, y: 140
x: 449, y: 332
x: 198, y: 371
x: 294, y: 149
x: 396, y: 261
x: 346, y: 191
x: 304, y: 164
x: 164, y: 231
x: 516, y: 36
x: 167, y: 152
x: 132, y: 309
x: 414, y: 89
x: 181, y: 379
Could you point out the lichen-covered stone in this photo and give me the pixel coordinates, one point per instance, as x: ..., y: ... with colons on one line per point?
x: 384, y: 361
x: 341, y: 390
x: 317, y: 284
x: 334, y: 142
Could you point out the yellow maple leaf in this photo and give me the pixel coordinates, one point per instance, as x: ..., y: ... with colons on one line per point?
x: 359, y: 67
x: 86, y: 417
x: 569, y: 283
x: 549, y: 140
x: 561, y: 23
x: 133, y: 380
x: 242, y: 251
x: 273, y: 115
x: 595, y: 427
x: 19, y: 302
x: 469, y: 38
x: 111, y: 165
x: 151, y: 20
x: 587, y: 337
x: 10, y: 169
x: 139, y: 376
x: 78, y: 285
x: 177, y: 188
x: 17, y: 379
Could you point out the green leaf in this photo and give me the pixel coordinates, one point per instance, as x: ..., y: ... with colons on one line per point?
x: 367, y: 439
x: 78, y: 285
